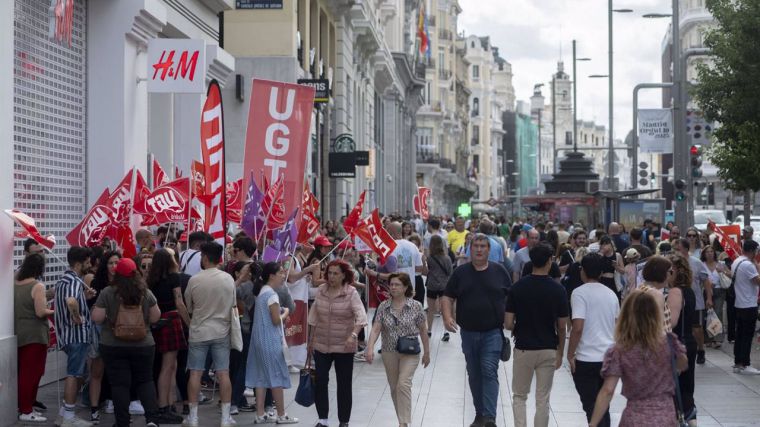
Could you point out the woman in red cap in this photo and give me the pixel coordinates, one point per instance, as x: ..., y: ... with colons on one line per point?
x: 128, y: 361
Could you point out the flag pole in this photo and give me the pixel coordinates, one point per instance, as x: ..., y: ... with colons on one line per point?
x: 334, y: 248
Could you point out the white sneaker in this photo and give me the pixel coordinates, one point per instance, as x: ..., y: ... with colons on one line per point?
x: 32, y: 417
x: 190, y: 422
x: 269, y: 410
x: 738, y: 369
x: 264, y: 419
x: 234, y: 410
x: 136, y: 408
x: 109, y: 406
x: 294, y: 370
x: 229, y: 422
x: 287, y: 419
x: 749, y: 370
x: 248, y: 392
x: 76, y: 422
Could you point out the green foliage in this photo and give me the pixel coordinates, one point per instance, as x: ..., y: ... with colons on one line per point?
x: 728, y: 91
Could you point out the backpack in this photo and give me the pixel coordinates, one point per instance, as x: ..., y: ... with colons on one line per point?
x: 130, y: 322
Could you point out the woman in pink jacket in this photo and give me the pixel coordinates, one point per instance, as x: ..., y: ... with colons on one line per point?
x: 335, y: 319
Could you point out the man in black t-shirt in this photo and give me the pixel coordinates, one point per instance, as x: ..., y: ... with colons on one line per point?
x: 537, y: 313
x: 479, y: 288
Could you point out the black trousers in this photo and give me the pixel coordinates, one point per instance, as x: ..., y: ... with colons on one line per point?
x: 419, y: 290
x: 344, y: 370
x: 588, y: 381
x: 731, y: 316
x: 127, y: 366
x: 745, y: 331
x: 686, y: 379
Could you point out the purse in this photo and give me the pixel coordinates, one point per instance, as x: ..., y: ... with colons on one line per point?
x: 679, y: 408
x: 306, y: 379
x: 506, y: 348
x: 236, y: 333
x: 408, y: 345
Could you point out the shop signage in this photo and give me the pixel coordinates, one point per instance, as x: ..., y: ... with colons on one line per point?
x: 176, y: 66
x: 321, y: 89
x: 362, y: 158
x: 258, y: 4
x: 343, y: 165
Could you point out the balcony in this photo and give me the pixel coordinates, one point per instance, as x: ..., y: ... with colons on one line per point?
x: 444, y: 74
x: 446, y: 163
x: 427, y: 157
x: 445, y: 34
x: 431, y: 20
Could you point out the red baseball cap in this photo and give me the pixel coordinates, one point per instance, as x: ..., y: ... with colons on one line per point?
x: 322, y: 241
x: 126, y: 267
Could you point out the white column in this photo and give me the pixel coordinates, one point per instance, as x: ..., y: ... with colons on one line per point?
x: 117, y: 103
x: 8, y: 389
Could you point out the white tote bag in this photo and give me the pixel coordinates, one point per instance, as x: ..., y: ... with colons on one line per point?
x: 236, y: 334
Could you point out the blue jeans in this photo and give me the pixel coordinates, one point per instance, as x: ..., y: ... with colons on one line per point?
x: 481, y: 353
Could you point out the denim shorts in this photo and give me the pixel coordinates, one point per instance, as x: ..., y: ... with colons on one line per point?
x: 76, y: 364
x: 220, y: 354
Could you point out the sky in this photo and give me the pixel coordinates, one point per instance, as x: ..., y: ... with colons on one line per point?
x: 534, y: 34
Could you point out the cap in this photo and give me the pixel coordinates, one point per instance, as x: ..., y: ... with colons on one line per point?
x: 126, y: 267
x: 632, y: 253
x: 527, y: 227
x: 749, y: 229
x: 322, y: 241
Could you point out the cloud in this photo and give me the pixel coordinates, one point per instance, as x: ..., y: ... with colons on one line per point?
x: 534, y: 34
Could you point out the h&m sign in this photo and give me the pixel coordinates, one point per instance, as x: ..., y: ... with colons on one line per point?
x: 176, y: 66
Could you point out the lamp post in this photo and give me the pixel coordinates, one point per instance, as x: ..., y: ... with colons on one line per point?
x: 575, y: 99
x: 611, y: 153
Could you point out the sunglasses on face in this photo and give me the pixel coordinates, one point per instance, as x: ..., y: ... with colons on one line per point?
x: 144, y: 266
x: 691, y: 235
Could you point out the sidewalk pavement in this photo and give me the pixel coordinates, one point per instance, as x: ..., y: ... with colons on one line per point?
x: 441, y: 397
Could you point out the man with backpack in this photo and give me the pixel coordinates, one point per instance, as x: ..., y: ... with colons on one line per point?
x: 209, y: 297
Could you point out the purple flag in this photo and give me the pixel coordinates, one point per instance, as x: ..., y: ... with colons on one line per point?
x: 271, y: 254
x: 286, y: 238
x: 253, y: 217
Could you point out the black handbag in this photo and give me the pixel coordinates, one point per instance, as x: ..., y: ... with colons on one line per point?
x: 408, y: 345
x: 506, y: 348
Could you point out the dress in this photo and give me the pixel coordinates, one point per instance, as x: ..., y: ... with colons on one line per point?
x: 647, y: 384
x: 266, y: 365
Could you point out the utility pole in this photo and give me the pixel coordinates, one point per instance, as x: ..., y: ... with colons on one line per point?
x: 575, y: 103
x: 611, y: 152
x: 680, y: 151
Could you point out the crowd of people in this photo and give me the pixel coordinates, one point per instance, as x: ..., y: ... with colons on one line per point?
x: 152, y: 335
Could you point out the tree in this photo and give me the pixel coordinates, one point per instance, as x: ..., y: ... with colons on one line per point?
x: 728, y: 93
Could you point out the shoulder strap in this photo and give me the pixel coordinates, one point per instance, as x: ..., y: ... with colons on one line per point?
x: 733, y: 277
x: 188, y: 261
x: 679, y: 401
x: 434, y: 258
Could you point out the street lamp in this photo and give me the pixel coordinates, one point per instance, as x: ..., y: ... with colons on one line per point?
x: 611, y: 165
x: 575, y: 101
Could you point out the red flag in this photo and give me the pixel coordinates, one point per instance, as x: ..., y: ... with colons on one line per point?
x: 309, y: 226
x: 352, y: 221
x: 235, y: 201
x: 309, y: 199
x: 724, y: 234
x: 95, y: 225
x: 30, y: 228
x: 371, y: 231
x: 167, y: 203
x: 277, y: 137
x: 212, y: 147
x: 420, y: 202
x: 159, y: 176
x: 274, y: 204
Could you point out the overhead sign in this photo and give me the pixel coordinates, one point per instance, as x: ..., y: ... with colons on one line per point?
x: 258, y: 4
x: 176, y: 66
x: 656, y: 130
x: 321, y: 89
x: 492, y: 202
x: 343, y: 165
x: 344, y: 143
x: 362, y: 158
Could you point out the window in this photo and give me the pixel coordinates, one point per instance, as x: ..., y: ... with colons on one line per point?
x: 441, y: 59
x: 475, y: 107
x: 475, y: 135
x: 476, y: 72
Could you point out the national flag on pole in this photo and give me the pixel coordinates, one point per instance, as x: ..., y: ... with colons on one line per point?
x: 30, y: 228
x: 420, y: 202
x: 422, y: 31
x: 212, y: 148
x: 371, y: 231
x: 95, y: 225
x: 158, y: 175
x: 235, y: 201
x: 353, y: 218
x: 167, y: 203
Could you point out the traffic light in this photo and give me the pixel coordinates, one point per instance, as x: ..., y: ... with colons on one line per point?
x: 696, y: 161
x: 680, y: 190
x: 652, y: 179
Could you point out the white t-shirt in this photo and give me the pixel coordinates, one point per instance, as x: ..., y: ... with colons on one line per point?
x: 190, y: 262
x: 746, y: 289
x: 598, y: 306
x: 407, y: 257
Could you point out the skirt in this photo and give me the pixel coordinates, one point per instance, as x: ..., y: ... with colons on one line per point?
x: 170, y: 337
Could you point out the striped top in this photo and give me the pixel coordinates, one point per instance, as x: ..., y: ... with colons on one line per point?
x: 71, y: 286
